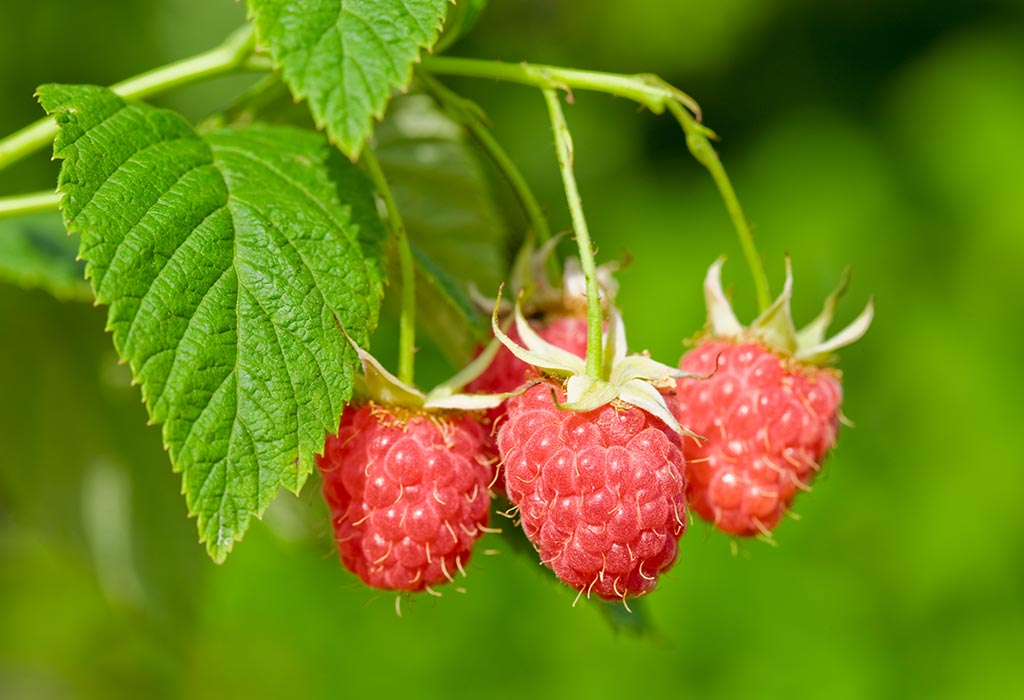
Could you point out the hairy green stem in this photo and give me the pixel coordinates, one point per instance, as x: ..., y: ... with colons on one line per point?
x: 229, y: 56
x: 698, y: 141
x: 29, y: 203
x: 649, y: 90
x: 407, y: 319
x: 564, y: 149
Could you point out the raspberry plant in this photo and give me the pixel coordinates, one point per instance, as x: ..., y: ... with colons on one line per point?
x: 244, y: 260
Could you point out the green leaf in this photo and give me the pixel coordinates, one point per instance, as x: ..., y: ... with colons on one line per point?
x: 228, y: 261
x: 345, y: 56
x: 449, y: 212
x: 37, y: 253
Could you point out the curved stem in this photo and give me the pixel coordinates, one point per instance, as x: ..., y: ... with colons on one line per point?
x: 228, y: 56
x: 29, y: 203
x: 564, y: 149
x: 649, y: 90
x: 407, y: 320
x: 698, y: 141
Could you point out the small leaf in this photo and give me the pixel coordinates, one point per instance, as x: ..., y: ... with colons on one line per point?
x: 345, y: 56
x: 228, y: 262
x: 37, y: 253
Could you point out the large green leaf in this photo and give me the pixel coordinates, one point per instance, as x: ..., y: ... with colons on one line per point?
x: 345, y: 56
x: 228, y: 262
x: 36, y: 252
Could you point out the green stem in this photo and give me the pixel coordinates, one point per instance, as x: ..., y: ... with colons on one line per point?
x: 29, y: 203
x: 229, y: 56
x: 564, y: 149
x: 698, y: 141
x: 407, y: 320
x: 649, y: 90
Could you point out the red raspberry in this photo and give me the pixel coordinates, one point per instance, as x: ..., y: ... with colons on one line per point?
x: 769, y: 423
x: 600, y: 494
x: 408, y: 494
x: 507, y: 372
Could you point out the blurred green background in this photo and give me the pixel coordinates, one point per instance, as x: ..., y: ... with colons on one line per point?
x: 882, y: 135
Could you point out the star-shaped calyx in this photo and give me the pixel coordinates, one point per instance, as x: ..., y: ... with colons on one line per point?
x: 381, y: 386
x: 634, y: 380
x: 774, y: 328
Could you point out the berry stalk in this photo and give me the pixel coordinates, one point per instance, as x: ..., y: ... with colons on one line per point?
x: 407, y: 319
x: 697, y: 140
x: 647, y: 90
x: 564, y: 149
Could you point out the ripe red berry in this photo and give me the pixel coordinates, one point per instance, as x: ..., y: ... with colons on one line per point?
x: 408, y: 494
x: 769, y: 423
x: 769, y: 410
x: 507, y: 373
x: 600, y: 493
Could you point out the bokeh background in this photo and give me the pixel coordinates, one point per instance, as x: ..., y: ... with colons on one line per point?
x: 882, y: 135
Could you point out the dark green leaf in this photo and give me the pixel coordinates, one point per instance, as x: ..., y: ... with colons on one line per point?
x: 345, y: 56
x: 449, y: 211
x: 228, y: 262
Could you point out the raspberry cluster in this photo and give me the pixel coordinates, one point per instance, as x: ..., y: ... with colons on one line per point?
x: 593, y: 461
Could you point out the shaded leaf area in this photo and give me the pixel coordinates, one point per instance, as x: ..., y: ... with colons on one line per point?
x: 37, y: 253
x: 345, y: 57
x: 449, y: 211
x: 224, y: 301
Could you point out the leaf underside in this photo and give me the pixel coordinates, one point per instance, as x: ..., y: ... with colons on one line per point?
x: 228, y: 261
x: 345, y: 56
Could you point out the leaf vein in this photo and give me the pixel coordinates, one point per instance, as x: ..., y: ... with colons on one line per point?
x: 185, y: 332
x: 159, y: 274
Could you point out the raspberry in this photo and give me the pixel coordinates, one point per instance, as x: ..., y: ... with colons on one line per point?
x: 507, y: 373
x: 769, y: 412
x: 408, y: 494
x: 769, y: 423
x: 600, y: 493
